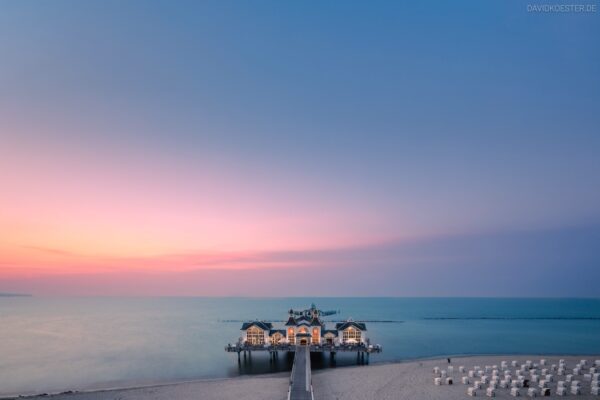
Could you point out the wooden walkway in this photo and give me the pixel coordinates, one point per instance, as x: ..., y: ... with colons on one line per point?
x: 300, y: 380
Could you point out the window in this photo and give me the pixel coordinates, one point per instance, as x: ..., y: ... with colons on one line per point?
x: 276, y: 338
x: 315, y: 336
x: 255, y: 336
x: 351, y: 335
x: 291, y: 336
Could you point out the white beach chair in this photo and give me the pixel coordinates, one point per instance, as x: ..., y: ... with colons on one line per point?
x: 514, y: 363
x: 450, y: 369
x: 542, y: 384
x: 595, y: 391
x: 465, y: 380
x: 583, y: 362
x: 516, y: 383
x: 535, y: 378
x: 515, y: 392
x: 597, y: 363
x: 472, y: 391
x: 490, y: 392
x: 449, y: 381
x: 576, y: 371
x: 544, y: 371
x: 436, y: 370
x: 549, y: 378
x: 575, y: 390
x: 471, y: 373
x: 561, y: 391
x: 560, y: 384
x: 461, y: 369
x: 443, y: 373
x: 532, y: 392
x: 575, y: 383
x: 569, y: 378
x: 493, y: 385
x: 587, y: 377
x: 504, y: 383
x: 553, y: 368
x: 437, y: 381
x: 592, y: 370
x: 477, y: 385
x: 484, y: 379
x: 560, y: 371
x: 543, y: 361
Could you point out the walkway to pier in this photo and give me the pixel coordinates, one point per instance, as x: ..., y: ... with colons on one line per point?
x: 300, y: 380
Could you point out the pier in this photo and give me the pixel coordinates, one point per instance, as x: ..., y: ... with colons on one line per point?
x: 301, y: 378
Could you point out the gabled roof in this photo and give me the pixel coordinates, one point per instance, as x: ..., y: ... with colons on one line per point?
x: 274, y: 331
x: 326, y: 331
x: 291, y: 321
x: 302, y: 318
x: 265, y: 326
x: 340, y: 326
x: 316, y: 322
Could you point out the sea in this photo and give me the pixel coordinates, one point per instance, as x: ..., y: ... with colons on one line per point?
x: 50, y: 345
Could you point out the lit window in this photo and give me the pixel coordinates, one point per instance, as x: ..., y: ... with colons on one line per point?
x: 351, y: 335
x: 255, y: 336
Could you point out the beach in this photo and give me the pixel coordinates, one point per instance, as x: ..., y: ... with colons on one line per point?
x: 402, y: 380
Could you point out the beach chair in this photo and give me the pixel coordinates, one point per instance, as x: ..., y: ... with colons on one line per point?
x: 450, y: 369
x: 535, y: 378
x: 542, y: 384
x: 549, y: 378
x: 471, y: 373
x: 553, y: 368
x: 514, y: 363
x: 587, y: 377
x: 516, y: 383
x: 449, y: 381
x: 597, y: 363
x: 490, y: 392
x: 465, y: 380
x: 477, y: 385
x: 595, y: 391
x: 543, y: 361
x: 569, y: 378
x: 583, y: 362
x: 561, y: 391
x: 544, y: 371
x: 545, y: 392
x: 504, y: 383
x: 436, y: 370
x: 437, y: 381
x: 472, y: 391
x: 443, y: 373
x: 532, y: 392
x: 514, y: 392
x: 461, y: 369
x: 575, y: 390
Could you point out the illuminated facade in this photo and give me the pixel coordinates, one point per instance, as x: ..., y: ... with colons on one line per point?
x: 304, y: 327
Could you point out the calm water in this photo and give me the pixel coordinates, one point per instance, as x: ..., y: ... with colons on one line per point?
x: 50, y: 344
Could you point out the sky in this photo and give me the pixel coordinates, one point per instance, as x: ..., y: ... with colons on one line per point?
x: 267, y: 148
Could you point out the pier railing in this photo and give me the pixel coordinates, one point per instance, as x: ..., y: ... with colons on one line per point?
x: 361, y: 347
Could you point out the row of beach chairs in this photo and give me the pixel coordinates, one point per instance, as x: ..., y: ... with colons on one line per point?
x: 526, y: 376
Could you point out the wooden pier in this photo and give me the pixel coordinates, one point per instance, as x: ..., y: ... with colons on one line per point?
x: 301, y: 377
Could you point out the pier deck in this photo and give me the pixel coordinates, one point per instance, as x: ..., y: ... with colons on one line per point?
x: 300, y: 379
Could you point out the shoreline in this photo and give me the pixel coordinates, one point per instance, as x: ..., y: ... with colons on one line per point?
x: 268, y: 382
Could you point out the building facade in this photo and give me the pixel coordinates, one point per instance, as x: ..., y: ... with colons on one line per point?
x: 305, y: 327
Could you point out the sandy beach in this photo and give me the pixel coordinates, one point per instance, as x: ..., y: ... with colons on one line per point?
x: 404, y: 380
